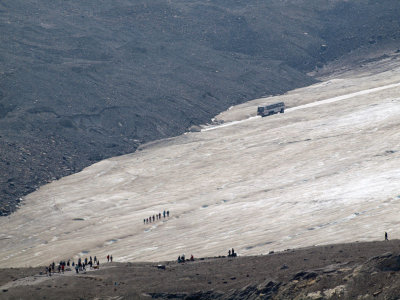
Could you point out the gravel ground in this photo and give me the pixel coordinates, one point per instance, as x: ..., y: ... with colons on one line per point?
x: 326, y: 272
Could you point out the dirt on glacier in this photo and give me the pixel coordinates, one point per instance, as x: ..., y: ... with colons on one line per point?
x: 346, y: 271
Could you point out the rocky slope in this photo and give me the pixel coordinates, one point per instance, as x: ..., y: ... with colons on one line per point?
x: 341, y: 271
x: 83, y: 81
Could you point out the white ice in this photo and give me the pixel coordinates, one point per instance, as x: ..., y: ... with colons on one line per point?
x: 323, y: 172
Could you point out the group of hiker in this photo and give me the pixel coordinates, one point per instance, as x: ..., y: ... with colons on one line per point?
x: 156, y: 217
x: 81, y: 265
x: 61, y: 267
x: 182, y: 258
x: 232, y: 253
x: 95, y: 263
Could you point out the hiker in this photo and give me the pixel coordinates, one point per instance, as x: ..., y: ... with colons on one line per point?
x: 159, y: 216
x: 167, y: 213
x: 85, y: 260
x: 229, y: 252
x: 191, y: 258
x: 144, y: 221
x: 386, y: 236
x: 98, y: 264
x: 50, y: 270
x: 95, y: 258
x: 179, y: 259
x: 150, y: 219
x: 153, y: 218
x: 233, y: 254
x: 62, y: 268
x: 53, y: 266
x: 164, y: 213
x: 77, y: 269
x: 183, y: 257
x: 68, y: 262
x: 108, y: 258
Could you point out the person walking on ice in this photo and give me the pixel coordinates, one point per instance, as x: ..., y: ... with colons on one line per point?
x: 386, y: 236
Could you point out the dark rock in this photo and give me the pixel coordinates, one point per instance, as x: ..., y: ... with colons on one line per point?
x: 269, y: 288
x: 304, y: 275
x: 246, y: 291
x: 209, y: 295
x: 391, y: 263
x: 167, y: 295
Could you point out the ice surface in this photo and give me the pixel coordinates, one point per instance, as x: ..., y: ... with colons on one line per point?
x: 323, y: 172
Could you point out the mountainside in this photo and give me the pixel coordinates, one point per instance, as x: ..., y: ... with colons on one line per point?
x: 81, y: 81
x: 325, y: 171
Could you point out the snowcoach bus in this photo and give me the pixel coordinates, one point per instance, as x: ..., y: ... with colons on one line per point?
x: 271, y: 109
